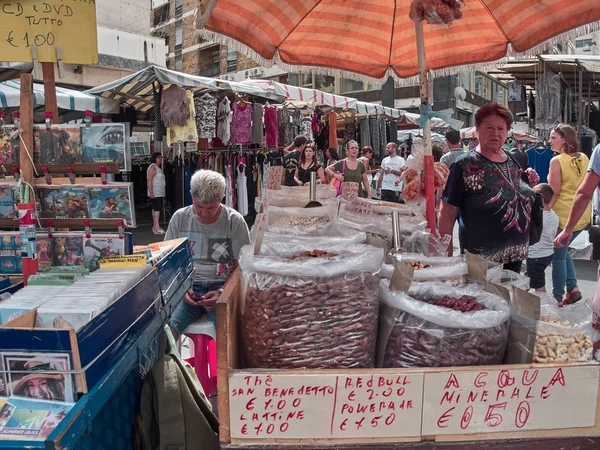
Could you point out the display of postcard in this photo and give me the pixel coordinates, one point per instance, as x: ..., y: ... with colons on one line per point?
x: 36, y: 143
x: 3, y: 381
x: 41, y: 376
x: 44, y: 251
x: 63, y: 201
x: 107, y: 143
x: 10, y: 240
x: 60, y: 145
x: 99, y: 246
x: 112, y: 201
x: 27, y: 419
x: 7, y: 201
x: 9, y: 149
x: 67, y: 250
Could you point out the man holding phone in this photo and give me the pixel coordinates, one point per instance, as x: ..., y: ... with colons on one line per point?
x: 216, y: 233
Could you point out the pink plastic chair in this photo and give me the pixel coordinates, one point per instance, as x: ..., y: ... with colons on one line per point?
x: 204, y: 359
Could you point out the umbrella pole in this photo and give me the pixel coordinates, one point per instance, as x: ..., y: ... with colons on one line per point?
x: 428, y: 177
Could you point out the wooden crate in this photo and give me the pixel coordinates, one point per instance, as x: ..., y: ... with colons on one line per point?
x: 444, y: 405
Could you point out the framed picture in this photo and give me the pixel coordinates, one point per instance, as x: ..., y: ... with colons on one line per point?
x: 39, y: 376
x: 63, y: 201
x: 27, y: 419
x: 112, y: 201
x: 67, y: 250
x: 9, y: 149
x: 99, y: 246
x: 7, y: 201
x: 60, y: 145
x: 107, y: 143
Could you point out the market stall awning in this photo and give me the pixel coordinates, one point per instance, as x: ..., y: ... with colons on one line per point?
x: 68, y: 99
x: 304, y: 94
x: 137, y: 89
x: 471, y: 133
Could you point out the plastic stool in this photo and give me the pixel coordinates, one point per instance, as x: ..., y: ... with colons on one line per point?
x: 204, y: 360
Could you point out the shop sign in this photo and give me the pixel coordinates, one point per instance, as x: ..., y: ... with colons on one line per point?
x: 360, y: 207
x: 274, y: 176
x: 349, y: 190
x: 484, y: 401
x: 124, y: 261
x: 47, y: 25
x: 325, y: 406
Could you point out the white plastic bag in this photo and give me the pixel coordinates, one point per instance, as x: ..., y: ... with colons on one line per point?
x: 443, y: 268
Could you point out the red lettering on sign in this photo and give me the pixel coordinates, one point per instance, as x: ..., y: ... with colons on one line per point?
x: 559, y: 377
x: 528, y: 379
x: 466, y: 418
x: 245, y: 429
x: 472, y: 396
x: 375, y: 421
x: 448, y: 397
x: 359, y: 423
x: 348, y: 383
x: 478, y: 380
x: 250, y: 404
x: 515, y: 393
x: 343, y: 425
x: 545, y: 394
x: 283, y: 427
x: 499, y: 394
x: 351, y: 396
x: 400, y: 392
x: 296, y: 402
x: 504, y: 379
x: 522, y: 414
x: 528, y: 395
x: 445, y: 418
x: 452, y: 381
x: 492, y: 418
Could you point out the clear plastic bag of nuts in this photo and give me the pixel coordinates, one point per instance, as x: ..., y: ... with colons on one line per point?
x: 414, y: 332
x: 319, y: 217
x: 310, y: 312
x: 444, y: 269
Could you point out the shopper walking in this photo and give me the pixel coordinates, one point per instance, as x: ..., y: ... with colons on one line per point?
x: 390, y: 182
x: 156, y: 190
x: 486, y: 192
x: 292, y: 159
x: 331, y: 156
x: 567, y: 172
x: 216, y: 233
x: 308, y: 163
x: 454, y: 148
x: 351, y: 169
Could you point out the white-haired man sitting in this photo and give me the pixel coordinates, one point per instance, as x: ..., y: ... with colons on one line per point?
x: 216, y: 233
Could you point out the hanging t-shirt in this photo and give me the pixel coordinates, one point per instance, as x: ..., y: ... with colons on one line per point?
x: 540, y: 161
x: 187, y: 132
x: 271, y: 126
x: 258, y: 132
x: 290, y: 162
x: 206, y: 111
x: 353, y: 175
x: 242, y: 190
x: 494, y: 207
x: 306, y: 127
x: 224, y: 121
x: 241, y: 124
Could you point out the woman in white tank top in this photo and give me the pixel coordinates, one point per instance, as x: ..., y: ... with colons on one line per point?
x: 156, y: 190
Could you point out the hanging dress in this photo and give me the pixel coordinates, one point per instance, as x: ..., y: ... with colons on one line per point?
x: 241, y: 124
x: 224, y: 121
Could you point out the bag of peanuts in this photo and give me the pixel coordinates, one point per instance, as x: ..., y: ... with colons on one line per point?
x: 436, y: 325
x: 449, y: 270
x: 507, y: 278
x: 307, y: 307
x: 311, y: 220
x: 324, y: 236
x: 299, y: 196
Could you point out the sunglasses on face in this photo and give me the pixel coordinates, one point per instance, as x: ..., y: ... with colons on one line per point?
x: 559, y: 131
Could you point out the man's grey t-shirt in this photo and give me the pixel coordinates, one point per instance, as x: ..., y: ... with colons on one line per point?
x: 214, y: 246
x: 452, y: 156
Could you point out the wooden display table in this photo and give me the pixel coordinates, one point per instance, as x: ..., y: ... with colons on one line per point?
x: 509, y: 406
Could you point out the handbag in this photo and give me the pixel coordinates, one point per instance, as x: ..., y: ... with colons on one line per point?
x: 337, y: 183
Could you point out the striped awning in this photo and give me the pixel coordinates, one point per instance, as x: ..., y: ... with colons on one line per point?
x: 67, y: 99
x: 137, y: 89
x: 304, y: 94
x: 375, y: 38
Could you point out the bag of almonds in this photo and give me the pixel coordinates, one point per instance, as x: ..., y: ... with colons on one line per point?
x: 450, y: 270
x: 436, y: 325
x: 310, y: 308
x: 310, y: 219
x: 323, y: 236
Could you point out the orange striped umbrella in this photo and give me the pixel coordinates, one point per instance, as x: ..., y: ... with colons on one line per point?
x: 369, y: 36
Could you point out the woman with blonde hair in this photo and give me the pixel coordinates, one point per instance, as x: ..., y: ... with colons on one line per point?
x: 351, y: 169
x: 567, y: 171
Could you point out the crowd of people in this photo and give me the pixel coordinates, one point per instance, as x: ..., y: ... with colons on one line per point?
x: 495, y: 198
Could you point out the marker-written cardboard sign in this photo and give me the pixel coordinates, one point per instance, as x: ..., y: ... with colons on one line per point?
x: 465, y: 402
x: 259, y: 232
x: 325, y: 406
x: 47, y: 25
x: 349, y: 190
x: 360, y: 207
x: 124, y: 261
x: 274, y: 176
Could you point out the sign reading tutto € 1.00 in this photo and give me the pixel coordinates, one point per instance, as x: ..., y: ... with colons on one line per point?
x: 46, y: 25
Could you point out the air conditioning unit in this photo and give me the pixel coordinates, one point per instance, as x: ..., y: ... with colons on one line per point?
x: 226, y: 77
x: 248, y: 73
x: 257, y: 71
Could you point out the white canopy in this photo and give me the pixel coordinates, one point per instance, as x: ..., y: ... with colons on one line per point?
x: 69, y: 99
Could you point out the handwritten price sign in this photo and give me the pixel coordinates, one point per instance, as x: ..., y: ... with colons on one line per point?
x: 509, y: 400
x: 325, y: 406
x: 274, y: 176
x: 349, y: 190
x: 360, y: 207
